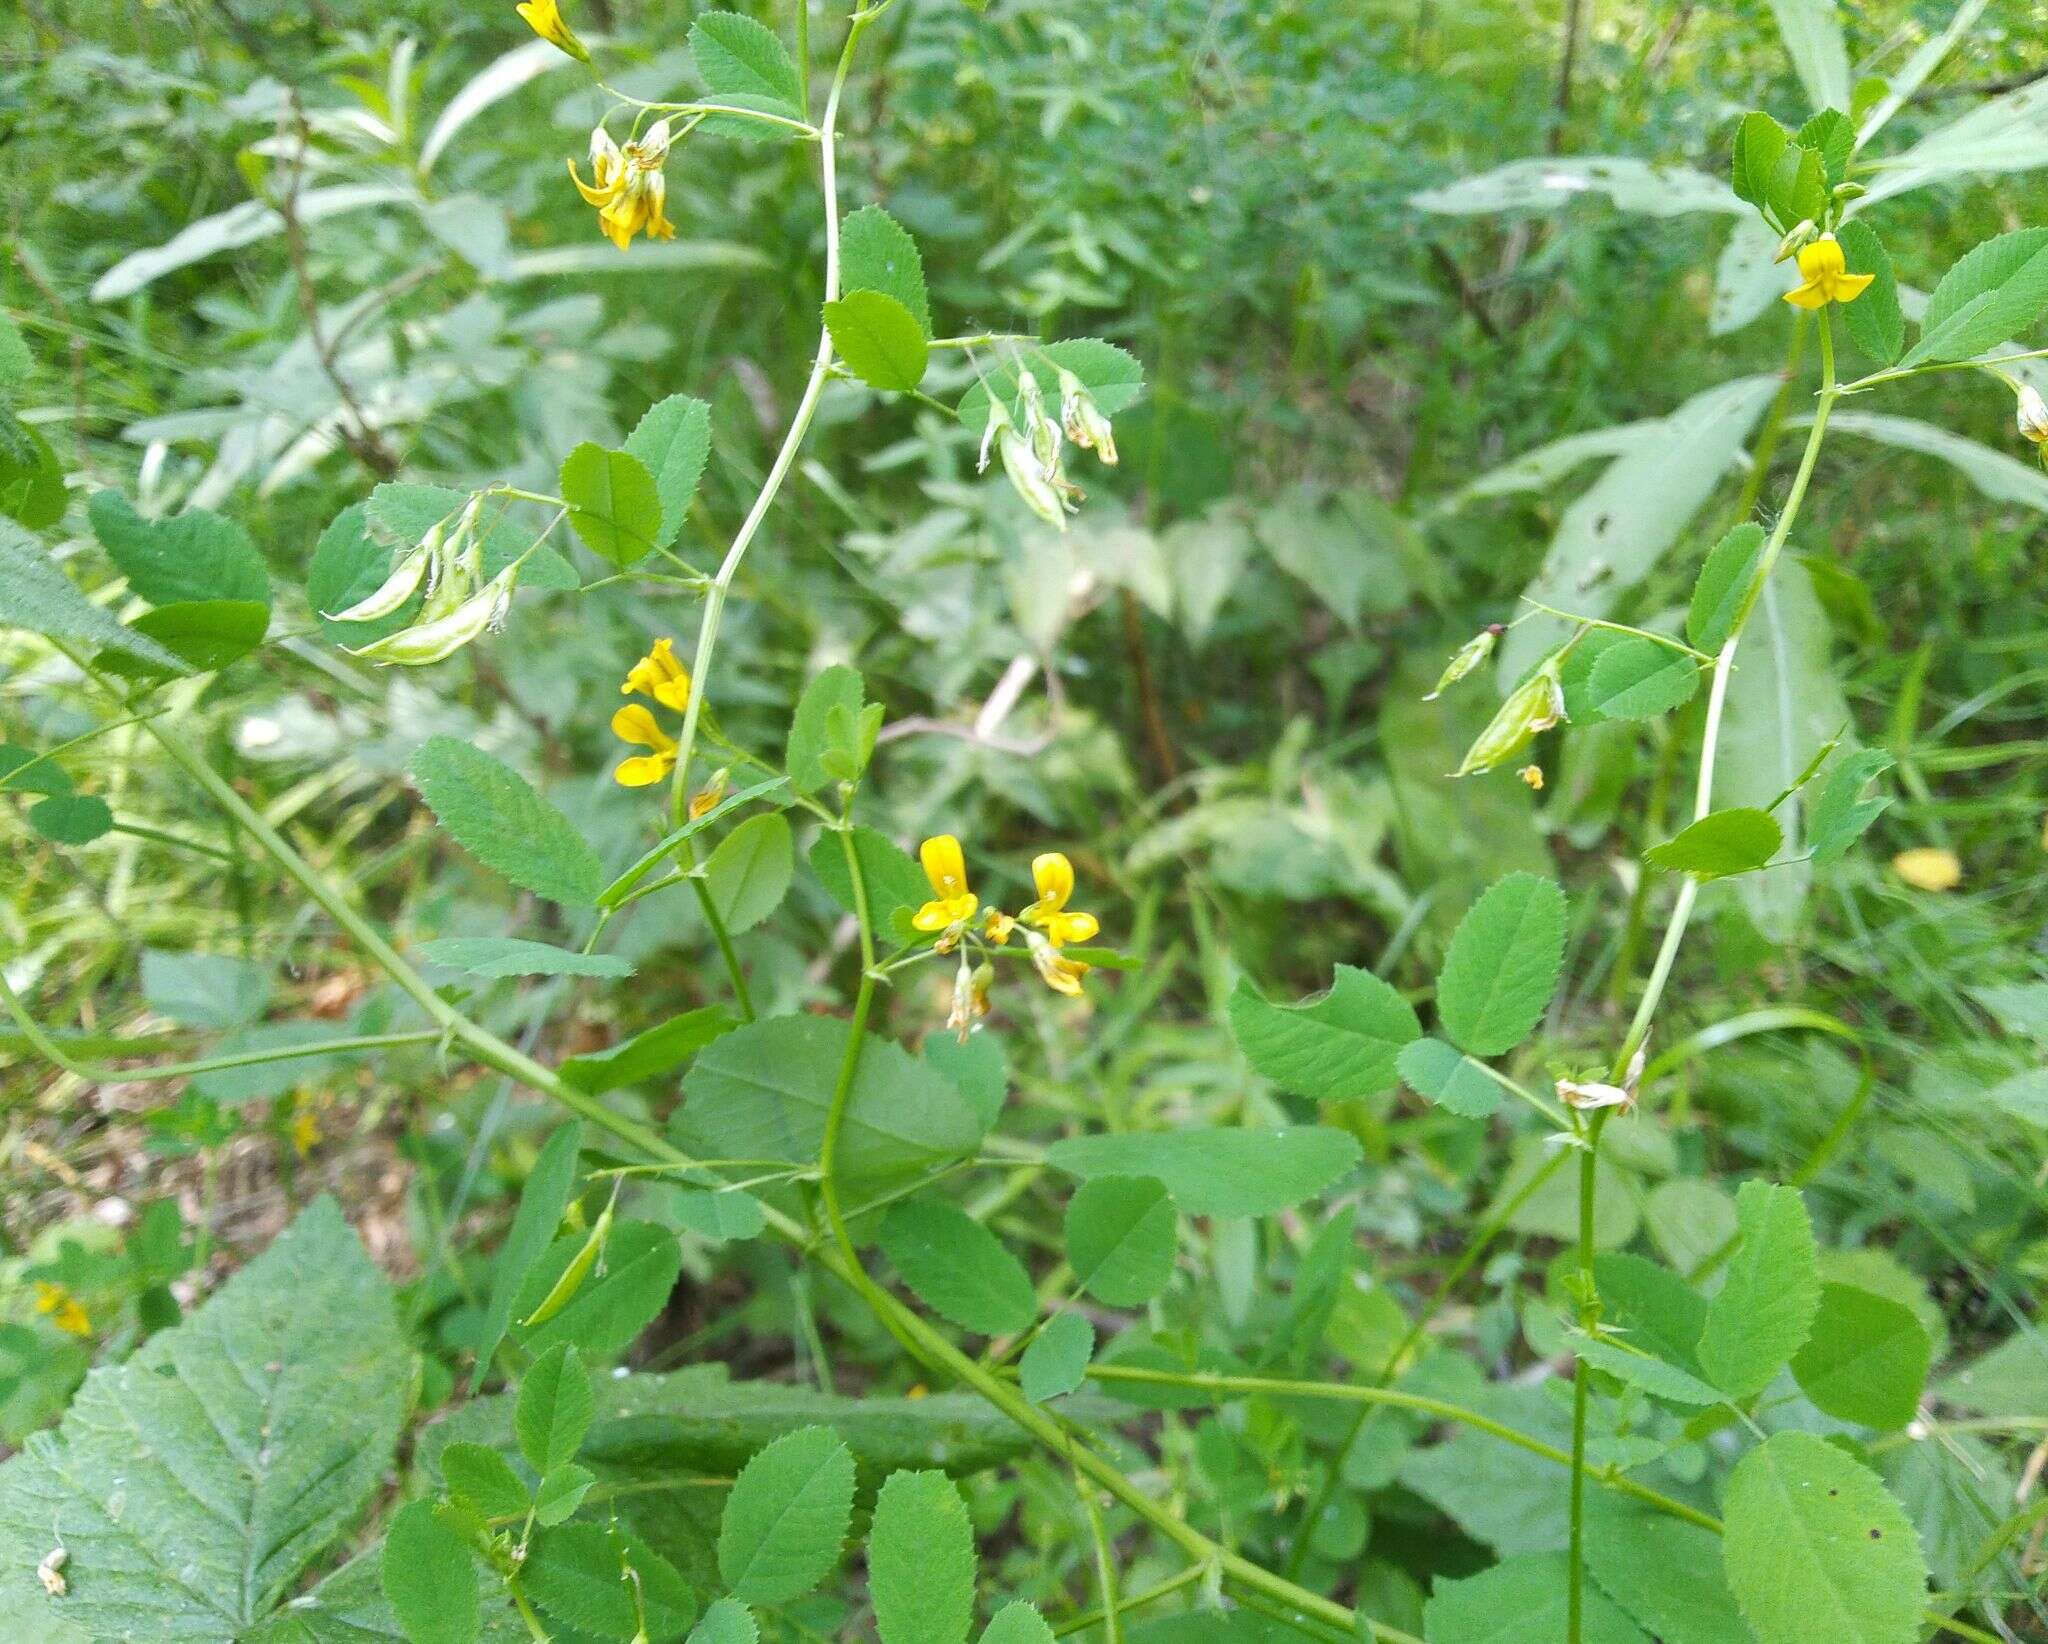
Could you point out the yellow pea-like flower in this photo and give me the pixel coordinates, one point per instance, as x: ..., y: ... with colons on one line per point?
x: 1054, y: 876
x: 627, y: 185
x: 952, y: 903
x: 62, y: 1308
x: 659, y: 675
x: 1824, y: 276
x: 1055, y: 969
x: 637, y: 725
x: 544, y: 17
x: 1929, y: 868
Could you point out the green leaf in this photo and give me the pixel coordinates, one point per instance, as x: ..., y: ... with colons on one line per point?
x: 1839, y: 817
x: 1817, y: 1548
x: 879, y: 339
x: 838, y: 687
x: 349, y: 1607
x: 1723, y: 587
x: 1639, y: 679
x: 895, y: 884
x: 39, y: 598
x: 577, y: 1573
x: 16, y: 362
x: 612, y: 502
x: 749, y: 873
x: 1641, y: 1369
x: 1866, y: 1360
x: 1831, y: 135
x: 1664, y: 1572
x: 1341, y: 1045
x: 1448, y: 1077
x: 1503, y: 965
x: 958, y: 1268
x: 561, y: 1492
x: 430, y: 1579
x: 978, y: 1069
x: 672, y: 442
x: 542, y: 1203
x: 24, y: 772
x: 2024, y: 1095
x: 71, y: 818
x: 1655, y: 1308
x: 761, y: 1092
x: 1761, y: 1315
x: 1218, y: 1172
x: 554, y: 1410
x: 214, y: 1466
x: 1017, y: 1623
x: 787, y: 1516
x: 720, y: 1214
x: 502, y: 956
x: 482, y: 1479
x: 648, y: 1054
x: 876, y: 253
x: 1056, y: 1362
x: 741, y: 59
x: 727, y: 1621
x: 1113, y: 378
x: 1718, y: 845
x: 1521, y: 1600
x: 349, y: 565
x: 921, y: 1563
x: 1994, y: 292
x: 498, y: 818
x: 1760, y: 143
x: 641, y: 1263
x: 32, y: 487
x: 1121, y: 1235
x: 2021, y: 1007
x: 204, y: 990
x: 205, y: 635
x: 194, y: 556
x: 1875, y: 322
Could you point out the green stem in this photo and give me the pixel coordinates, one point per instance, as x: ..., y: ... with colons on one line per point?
x: 722, y: 936
x: 1135, y: 1601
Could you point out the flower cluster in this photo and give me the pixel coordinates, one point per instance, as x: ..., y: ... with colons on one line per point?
x: 657, y: 675
x: 627, y: 185
x: 1047, y: 925
x: 1031, y: 455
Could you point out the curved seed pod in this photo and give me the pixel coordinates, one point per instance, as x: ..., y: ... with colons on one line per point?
x: 438, y: 638
x: 397, y: 588
x: 575, y: 1273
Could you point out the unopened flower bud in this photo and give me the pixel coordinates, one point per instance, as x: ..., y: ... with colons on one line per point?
x: 1083, y: 420
x: 2033, y: 415
x: 1532, y: 706
x: 706, y: 799
x: 1792, y: 243
x: 1470, y: 654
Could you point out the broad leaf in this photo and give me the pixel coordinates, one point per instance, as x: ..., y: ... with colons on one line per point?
x: 958, y: 1268
x: 837, y: 687
x: 921, y: 1563
x: 193, y: 556
x: 1839, y: 816
x: 1813, y: 40
x: 429, y: 1578
x: 879, y: 339
x: 1218, y: 1172
x: 1866, y: 1360
x: 198, y: 1480
x: 205, y: 635
x: 896, y: 886
x: 748, y: 874
x: 1503, y: 965
x: 1521, y: 1600
x: 1719, y: 845
x: 1547, y: 184
x: 649, y: 1054
x: 672, y: 442
x: 577, y: 1574
x: 1762, y: 1314
x: 1874, y: 320
x: 1642, y: 1369
x: 613, y: 503
x: 1722, y: 590
x: 876, y: 253
x: 1664, y: 1572
x: 349, y: 565
x: 1056, y: 1362
x: 497, y: 817
x: 555, y: 1409
x: 39, y: 598
x: 1992, y: 293
x: 1121, y: 1234
x: 641, y: 1262
x: 786, y: 1517
x: 740, y: 59
x: 1816, y: 1548
x: 1448, y: 1077
x: 1639, y: 679
x: 1341, y: 1045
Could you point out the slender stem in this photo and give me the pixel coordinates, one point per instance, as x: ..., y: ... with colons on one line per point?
x: 716, y: 920
x: 1664, y: 640
x: 1105, y: 1561
x: 1135, y: 1601
x: 1589, y: 1316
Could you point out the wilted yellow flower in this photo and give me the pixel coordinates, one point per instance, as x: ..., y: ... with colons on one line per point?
x: 1061, y: 974
x: 1083, y: 420
x: 1824, y: 276
x: 1054, y: 876
x: 1929, y: 868
x: 544, y: 17
x: 998, y: 926
x: 945, y: 865
x: 706, y: 799
x: 63, y: 1309
x: 659, y: 675
x: 637, y: 725
x: 628, y: 188
x: 1533, y: 775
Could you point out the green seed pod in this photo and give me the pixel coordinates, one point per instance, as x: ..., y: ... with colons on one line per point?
x: 575, y: 1273
x: 1473, y: 652
x: 1534, y: 705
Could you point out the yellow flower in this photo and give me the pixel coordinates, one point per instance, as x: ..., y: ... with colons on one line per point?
x: 63, y: 1307
x: 636, y: 725
x: 544, y: 17
x: 1054, y: 876
x: 627, y: 186
x: 998, y: 926
x: 305, y: 1132
x: 708, y: 798
x: 1061, y: 974
x: 952, y: 902
x: 659, y: 675
x: 1824, y: 276
x: 1929, y: 868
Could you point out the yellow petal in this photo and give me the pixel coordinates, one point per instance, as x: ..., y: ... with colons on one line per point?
x: 931, y: 918
x: 1822, y: 259
x: 1809, y: 295
x: 945, y: 865
x: 637, y: 725
x: 1053, y: 874
x: 1848, y: 287
x: 1929, y: 868
x: 643, y: 770
x: 1072, y: 927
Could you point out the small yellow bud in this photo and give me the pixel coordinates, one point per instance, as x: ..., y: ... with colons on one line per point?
x: 544, y: 17
x: 1929, y: 868
x: 706, y: 799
